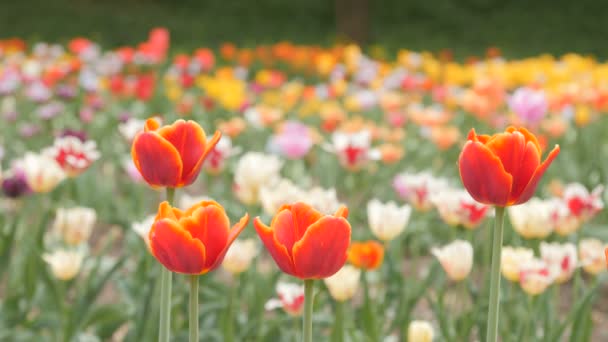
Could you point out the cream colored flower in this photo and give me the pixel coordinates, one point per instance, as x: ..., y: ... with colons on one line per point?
x: 253, y: 171
x: 420, y: 331
x: 591, y: 254
x: 74, y: 225
x: 531, y: 219
x: 388, y: 220
x: 535, y: 276
x: 274, y: 196
x: 344, y: 284
x: 142, y: 228
x: 511, y: 260
x: 456, y: 259
x: 324, y: 200
x: 42, y: 173
x: 239, y: 256
x: 65, y: 264
x: 561, y: 258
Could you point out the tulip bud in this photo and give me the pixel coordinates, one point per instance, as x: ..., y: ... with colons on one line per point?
x: 591, y: 253
x: 239, y: 256
x: 75, y: 225
x: 388, y: 220
x: 65, y: 264
x: 511, y: 260
x: 456, y: 259
x: 420, y: 331
x: 343, y: 285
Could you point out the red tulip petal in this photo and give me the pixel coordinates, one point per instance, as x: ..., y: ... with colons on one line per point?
x: 191, y: 177
x: 519, y: 158
x: 483, y: 175
x: 210, y: 225
x: 234, y: 233
x: 284, y: 229
x: 157, y: 160
x: 165, y: 210
x: 274, y: 247
x: 530, y: 188
x: 529, y: 136
x: 342, y: 212
x: 323, y: 249
x: 151, y: 125
x: 175, y: 249
x: 189, y: 140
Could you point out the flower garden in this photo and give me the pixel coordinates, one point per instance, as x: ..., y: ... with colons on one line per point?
x: 296, y: 192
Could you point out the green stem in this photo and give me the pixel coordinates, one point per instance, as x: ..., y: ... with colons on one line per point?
x: 307, y: 322
x: 166, y: 281
x: 193, y: 324
x: 495, y: 277
x: 338, y: 330
x: 368, y: 310
x: 228, y: 331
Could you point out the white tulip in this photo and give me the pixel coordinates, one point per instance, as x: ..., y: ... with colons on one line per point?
x: 420, y: 331
x: 253, y: 171
x: 511, y: 260
x: 344, y: 284
x: 42, y: 173
x: 75, y: 225
x: 561, y: 258
x: 456, y: 259
x: 65, y: 264
x: 532, y: 219
x: 239, y: 256
x: 388, y: 220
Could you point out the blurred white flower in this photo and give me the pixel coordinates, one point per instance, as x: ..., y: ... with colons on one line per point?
x: 456, y: 259
x: 457, y: 207
x: 142, y: 228
x: 353, y: 149
x: 65, y: 264
x: 130, y: 128
x: 216, y: 159
x: 531, y: 219
x: 582, y: 204
x: 561, y: 258
x: 291, y: 299
x: 511, y: 259
x: 274, y: 196
x: 324, y: 200
x: 416, y: 188
x: 591, y: 253
x: 74, y: 225
x: 387, y: 221
x: 344, y: 284
x: 42, y: 173
x: 535, y: 276
x: 253, y: 171
x: 420, y: 331
x: 239, y: 255
x: 73, y: 155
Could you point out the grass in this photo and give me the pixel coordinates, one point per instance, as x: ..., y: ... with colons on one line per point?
x: 519, y: 27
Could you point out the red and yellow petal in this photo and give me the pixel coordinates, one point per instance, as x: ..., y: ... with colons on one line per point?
x: 165, y: 210
x: 191, y: 177
x: 342, y: 212
x: 151, y: 125
x: 157, y: 160
x: 530, y: 188
x: 275, y: 248
x: 483, y: 175
x: 189, y: 140
x: 175, y: 248
x: 323, y: 249
x: 527, y: 166
x: 303, y: 216
x: 232, y: 235
x: 210, y: 225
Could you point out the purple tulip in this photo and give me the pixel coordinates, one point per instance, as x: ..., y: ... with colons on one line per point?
x: 15, y: 185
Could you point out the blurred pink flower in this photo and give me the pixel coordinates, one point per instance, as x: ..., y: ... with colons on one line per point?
x: 293, y: 142
x: 529, y: 105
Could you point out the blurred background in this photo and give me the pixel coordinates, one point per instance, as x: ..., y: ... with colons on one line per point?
x: 519, y: 28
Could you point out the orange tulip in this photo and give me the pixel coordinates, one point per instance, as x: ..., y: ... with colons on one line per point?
x: 503, y: 169
x: 305, y: 243
x: 194, y: 241
x: 366, y: 255
x: 171, y: 156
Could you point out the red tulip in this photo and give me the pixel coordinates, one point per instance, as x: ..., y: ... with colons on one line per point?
x: 305, y: 243
x: 194, y: 241
x: 171, y: 156
x: 503, y: 169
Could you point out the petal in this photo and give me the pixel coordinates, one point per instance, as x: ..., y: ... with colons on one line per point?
x: 151, y: 125
x: 165, y: 210
x: 342, y: 212
x: 527, y: 167
x: 234, y: 233
x: 157, y: 160
x: 529, y: 136
x: 175, y: 248
x: 323, y: 249
x: 210, y: 225
x: 189, y: 140
x: 530, y: 188
x: 290, y: 224
x: 483, y: 175
x: 274, y: 247
x: 191, y: 177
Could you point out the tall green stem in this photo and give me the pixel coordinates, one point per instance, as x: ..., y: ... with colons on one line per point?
x: 493, y: 310
x: 166, y: 281
x: 193, y: 324
x: 307, y: 322
x: 338, y: 329
x: 368, y: 310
